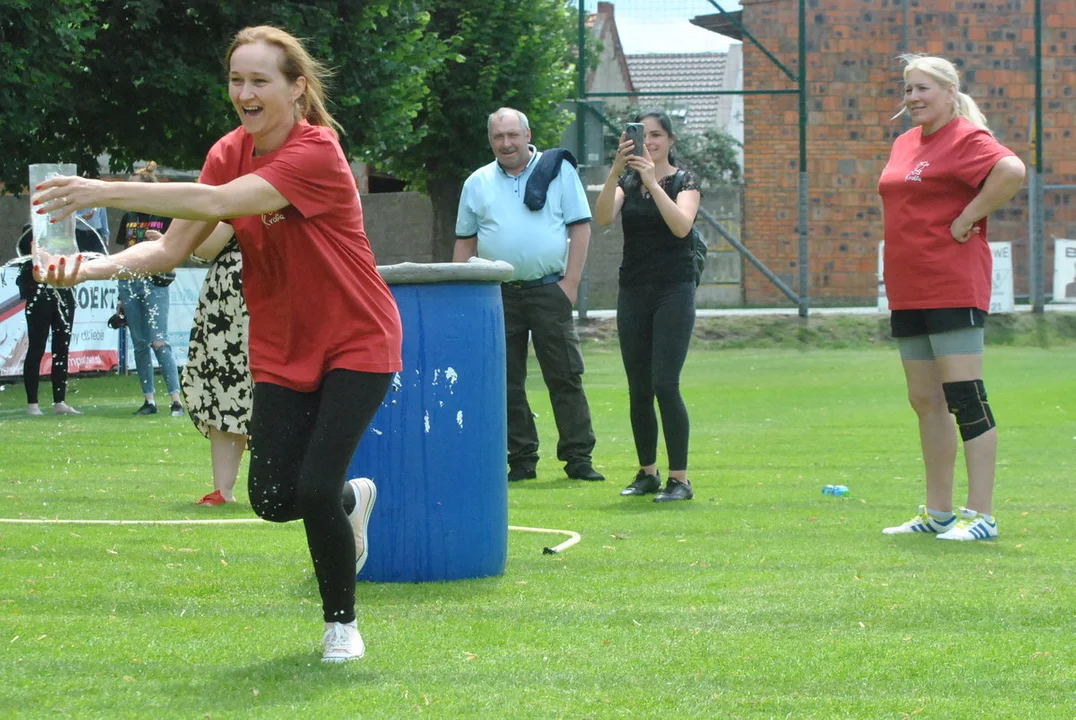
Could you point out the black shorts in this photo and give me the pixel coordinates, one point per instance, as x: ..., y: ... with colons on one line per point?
x: 910, y: 323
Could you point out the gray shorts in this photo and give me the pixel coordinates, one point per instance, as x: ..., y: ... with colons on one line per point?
x: 965, y: 341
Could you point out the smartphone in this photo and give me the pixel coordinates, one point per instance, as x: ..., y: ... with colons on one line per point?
x: 637, y: 134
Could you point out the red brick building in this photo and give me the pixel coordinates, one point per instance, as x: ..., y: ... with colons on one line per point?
x: 855, y: 86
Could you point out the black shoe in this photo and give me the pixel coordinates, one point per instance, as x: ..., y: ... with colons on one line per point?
x: 582, y: 471
x: 643, y: 484
x: 675, y: 490
x: 177, y: 409
x: 515, y: 474
x: 147, y: 408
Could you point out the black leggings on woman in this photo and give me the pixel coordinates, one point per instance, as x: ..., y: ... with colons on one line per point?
x: 301, y: 444
x: 48, y: 309
x: 654, y: 324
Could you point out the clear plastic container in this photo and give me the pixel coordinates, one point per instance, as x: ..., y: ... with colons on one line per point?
x: 55, y: 238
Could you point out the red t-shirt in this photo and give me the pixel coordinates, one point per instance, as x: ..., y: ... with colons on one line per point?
x: 926, y: 184
x: 315, y: 298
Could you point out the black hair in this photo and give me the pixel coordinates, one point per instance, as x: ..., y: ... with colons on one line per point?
x: 631, y: 179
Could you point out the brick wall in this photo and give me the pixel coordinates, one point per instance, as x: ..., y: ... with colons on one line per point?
x: 854, y: 87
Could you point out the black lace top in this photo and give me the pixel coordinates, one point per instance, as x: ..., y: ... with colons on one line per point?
x: 652, y: 254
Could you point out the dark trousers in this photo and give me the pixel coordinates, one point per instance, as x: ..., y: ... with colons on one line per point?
x: 48, y: 309
x: 654, y: 324
x: 546, y: 314
x: 301, y: 444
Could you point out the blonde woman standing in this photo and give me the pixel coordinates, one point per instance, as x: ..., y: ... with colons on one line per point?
x: 943, y: 178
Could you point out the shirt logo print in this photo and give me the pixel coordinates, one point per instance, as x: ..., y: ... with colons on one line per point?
x: 272, y: 218
x: 916, y: 175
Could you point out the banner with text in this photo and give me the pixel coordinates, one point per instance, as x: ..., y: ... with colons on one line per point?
x: 94, y: 345
x: 1064, y: 271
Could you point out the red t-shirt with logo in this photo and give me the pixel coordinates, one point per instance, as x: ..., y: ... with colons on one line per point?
x: 926, y: 184
x: 315, y: 298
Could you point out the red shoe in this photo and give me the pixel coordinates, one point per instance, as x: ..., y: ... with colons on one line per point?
x: 212, y: 499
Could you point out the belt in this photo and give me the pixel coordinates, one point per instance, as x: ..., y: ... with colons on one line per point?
x: 528, y: 284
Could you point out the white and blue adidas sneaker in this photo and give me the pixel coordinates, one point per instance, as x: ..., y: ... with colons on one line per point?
x: 972, y: 525
x: 924, y: 522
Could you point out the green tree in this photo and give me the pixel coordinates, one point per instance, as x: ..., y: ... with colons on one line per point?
x: 39, y: 43
x: 516, y: 53
x: 149, y: 82
x: 712, y: 154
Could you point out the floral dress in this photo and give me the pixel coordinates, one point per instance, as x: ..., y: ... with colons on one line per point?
x: 217, y: 386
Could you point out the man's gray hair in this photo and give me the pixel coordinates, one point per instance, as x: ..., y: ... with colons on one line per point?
x: 523, y: 122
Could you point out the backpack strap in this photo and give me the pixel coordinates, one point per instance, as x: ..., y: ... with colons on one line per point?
x: 677, y: 183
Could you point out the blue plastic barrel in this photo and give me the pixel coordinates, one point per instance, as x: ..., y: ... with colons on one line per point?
x: 436, y: 449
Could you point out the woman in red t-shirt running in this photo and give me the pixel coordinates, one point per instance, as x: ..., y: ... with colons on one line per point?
x: 283, y: 183
x: 943, y: 178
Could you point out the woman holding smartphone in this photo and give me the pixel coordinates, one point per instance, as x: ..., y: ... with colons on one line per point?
x: 655, y: 313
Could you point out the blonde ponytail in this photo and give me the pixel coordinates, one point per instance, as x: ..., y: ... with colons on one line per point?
x: 969, y: 110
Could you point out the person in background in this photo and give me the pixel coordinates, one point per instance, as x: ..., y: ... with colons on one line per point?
x: 144, y: 301
x: 943, y: 177
x: 217, y: 387
x: 91, y: 230
x: 495, y: 223
x: 655, y: 311
x: 282, y: 182
x: 46, y: 309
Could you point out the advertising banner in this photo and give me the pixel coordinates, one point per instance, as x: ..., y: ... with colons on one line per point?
x: 1064, y: 271
x: 94, y: 345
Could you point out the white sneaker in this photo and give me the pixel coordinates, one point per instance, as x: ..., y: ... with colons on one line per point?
x: 972, y: 526
x: 924, y: 522
x: 342, y: 642
x: 365, y: 497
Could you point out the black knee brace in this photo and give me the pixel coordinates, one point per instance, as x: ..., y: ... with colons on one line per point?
x: 967, y: 401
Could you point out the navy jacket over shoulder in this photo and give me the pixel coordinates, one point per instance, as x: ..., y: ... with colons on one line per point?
x: 546, y: 169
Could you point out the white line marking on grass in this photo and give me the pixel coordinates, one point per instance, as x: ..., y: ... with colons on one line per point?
x: 57, y: 521
x: 573, y: 537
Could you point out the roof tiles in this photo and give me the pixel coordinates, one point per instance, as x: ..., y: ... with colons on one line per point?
x: 690, y: 72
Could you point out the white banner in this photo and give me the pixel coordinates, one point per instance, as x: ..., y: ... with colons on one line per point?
x: 94, y: 345
x: 1002, y: 298
x: 1064, y: 271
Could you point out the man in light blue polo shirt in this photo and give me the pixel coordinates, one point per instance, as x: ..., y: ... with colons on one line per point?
x: 493, y: 223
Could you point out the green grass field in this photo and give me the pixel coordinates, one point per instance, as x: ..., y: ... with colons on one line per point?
x: 761, y: 598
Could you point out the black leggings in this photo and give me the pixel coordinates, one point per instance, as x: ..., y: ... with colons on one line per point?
x: 654, y: 324
x: 48, y: 309
x: 301, y: 444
